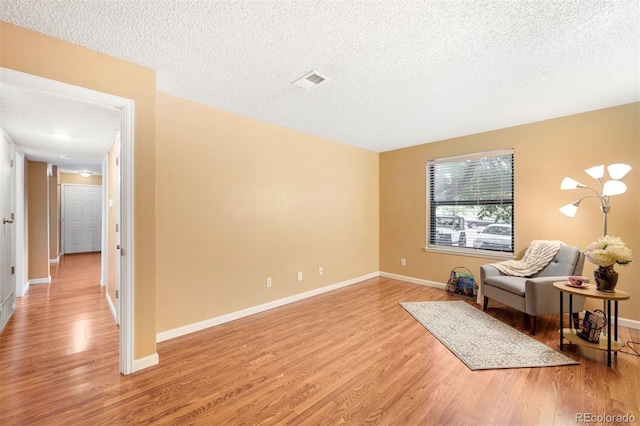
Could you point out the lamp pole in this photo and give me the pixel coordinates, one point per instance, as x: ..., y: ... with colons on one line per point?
x: 605, y: 205
x: 605, y: 210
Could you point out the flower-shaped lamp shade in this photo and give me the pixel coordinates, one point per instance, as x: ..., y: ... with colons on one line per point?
x: 613, y: 187
x: 569, y: 183
x: 596, y: 172
x: 570, y: 209
x: 618, y: 171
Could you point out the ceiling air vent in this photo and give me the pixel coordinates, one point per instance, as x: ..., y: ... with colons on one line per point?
x: 310, y: 80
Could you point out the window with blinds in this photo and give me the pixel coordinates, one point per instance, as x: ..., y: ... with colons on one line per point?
x: 470, y: 203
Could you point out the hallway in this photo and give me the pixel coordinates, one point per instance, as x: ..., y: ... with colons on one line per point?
x: 60, y: 339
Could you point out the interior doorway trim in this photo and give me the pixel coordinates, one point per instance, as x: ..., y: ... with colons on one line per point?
x: 126, y: 106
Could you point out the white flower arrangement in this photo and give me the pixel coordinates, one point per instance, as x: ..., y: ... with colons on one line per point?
x: 607, y: 251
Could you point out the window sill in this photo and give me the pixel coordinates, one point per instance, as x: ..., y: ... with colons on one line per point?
x: 470, y: 252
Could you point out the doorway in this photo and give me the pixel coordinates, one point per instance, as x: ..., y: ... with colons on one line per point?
x: 81, y: 218
x: 124, y: 252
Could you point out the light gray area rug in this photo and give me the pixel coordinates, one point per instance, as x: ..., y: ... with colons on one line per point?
x: 481, y: 341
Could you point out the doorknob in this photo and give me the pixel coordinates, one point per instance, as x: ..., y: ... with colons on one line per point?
x: 118, y: 247
x: 7, y: 221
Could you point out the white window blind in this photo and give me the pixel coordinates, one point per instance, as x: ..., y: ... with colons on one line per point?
x: 470, y: 202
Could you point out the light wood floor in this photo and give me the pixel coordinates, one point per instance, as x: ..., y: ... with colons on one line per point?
x: 352, y: 356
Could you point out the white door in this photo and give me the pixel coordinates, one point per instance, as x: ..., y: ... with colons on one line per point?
x: 82, y: 220
x: 7, y: 285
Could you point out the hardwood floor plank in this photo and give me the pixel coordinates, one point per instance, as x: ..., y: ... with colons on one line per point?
x: 351, y: 356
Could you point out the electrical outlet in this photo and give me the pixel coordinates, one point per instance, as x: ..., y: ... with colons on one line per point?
x: 320, y: 271
x: 403, y: 261
x: 269, y: 282
x: 300, y: 276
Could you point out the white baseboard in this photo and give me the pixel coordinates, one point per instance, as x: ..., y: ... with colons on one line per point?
x: 112, y: 307
x: 39, y: 281
x: 621, y: 321
x: 56, y: 260
x: 413, y: 280
x: 146, y: 362
x: 629, y: 323
x: 192, y: 328
x: 25, y: 289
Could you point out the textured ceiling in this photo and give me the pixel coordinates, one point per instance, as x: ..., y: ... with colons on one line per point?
x: 400, y: 73
x: 37, y: 121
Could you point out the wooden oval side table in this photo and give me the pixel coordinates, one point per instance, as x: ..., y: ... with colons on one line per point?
x: 571, y: 333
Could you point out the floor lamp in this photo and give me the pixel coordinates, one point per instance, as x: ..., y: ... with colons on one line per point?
x: 609, y: 188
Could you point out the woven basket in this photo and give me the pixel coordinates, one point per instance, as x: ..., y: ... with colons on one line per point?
x: 462, y: 283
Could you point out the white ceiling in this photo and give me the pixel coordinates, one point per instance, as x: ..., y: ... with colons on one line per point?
x: 400, y: 73
x: 71, y: 134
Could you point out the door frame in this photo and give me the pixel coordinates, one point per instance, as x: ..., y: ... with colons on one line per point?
x: 107, y: 225
x: 126, y: 106
x: 118, y: 223
x: 9, y: 256
x: 22, y: 285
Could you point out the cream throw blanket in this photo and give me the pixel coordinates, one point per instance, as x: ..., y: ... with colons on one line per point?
x: 539, y: 254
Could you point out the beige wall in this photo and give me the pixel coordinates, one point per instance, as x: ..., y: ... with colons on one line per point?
x: 54, y: 215
x: 74, y: 178
x: 34, y: 53
x: 38, y: 219
x: 240, y: 200
x: 544, y: 153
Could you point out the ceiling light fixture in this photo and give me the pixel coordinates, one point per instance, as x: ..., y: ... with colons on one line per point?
x: 85, y: 174
x: 61, y: 135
